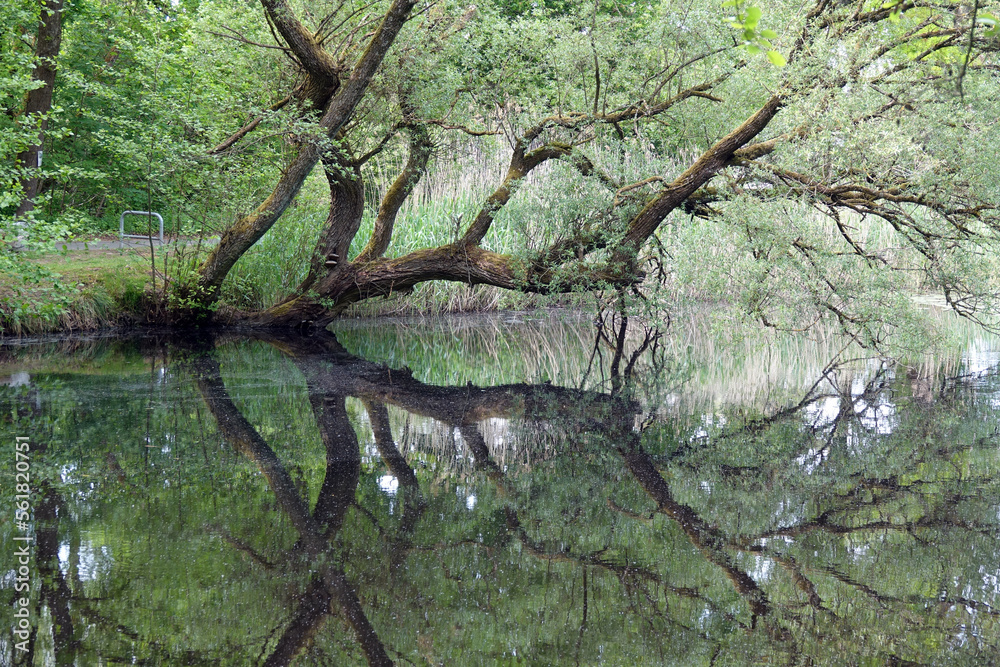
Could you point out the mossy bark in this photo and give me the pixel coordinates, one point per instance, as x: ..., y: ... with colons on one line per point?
x: 334, y: 282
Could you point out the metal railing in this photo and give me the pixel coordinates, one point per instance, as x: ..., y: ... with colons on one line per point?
x: 121, y: 226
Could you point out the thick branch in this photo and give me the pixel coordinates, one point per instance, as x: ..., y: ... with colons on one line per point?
x: 633, y: 112
x: 310, y: 54
x: 347, y: 203
x: 378, y: 416
x: 459, y: 406
x: 236, y: 430
x: 869, y: 198
x: 347, y: 98
x: 331, y: 581
x: 420, y: 152
x: 715, y: 158
x: 703, y: 536
x: 246, y: 231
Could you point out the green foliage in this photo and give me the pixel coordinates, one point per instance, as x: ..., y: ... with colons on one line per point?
x: 137, y: 105
x: 747, y: 18
x: 17, y: 62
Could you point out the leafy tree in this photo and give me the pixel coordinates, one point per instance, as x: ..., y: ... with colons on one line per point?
x: 38, y: 101
x: 839, y: 180
x: 810, y: 164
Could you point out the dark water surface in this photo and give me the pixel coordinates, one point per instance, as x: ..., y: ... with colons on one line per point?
x: 498, y: 491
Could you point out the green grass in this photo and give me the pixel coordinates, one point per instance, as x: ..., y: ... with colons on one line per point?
x: 76, y: 290
x: 84, y: 289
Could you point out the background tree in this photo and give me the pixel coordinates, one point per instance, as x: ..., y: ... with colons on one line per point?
x: 39, y: 99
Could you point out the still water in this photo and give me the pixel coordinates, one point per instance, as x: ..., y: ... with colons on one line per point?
x: 498, y: 491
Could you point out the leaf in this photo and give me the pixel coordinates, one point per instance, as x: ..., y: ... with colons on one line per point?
x: 769, y: 34
x: 753, y: 16
x: 731, y: 3
x: 753, y: 48
x: 776, y: 59
x: 987, y: 19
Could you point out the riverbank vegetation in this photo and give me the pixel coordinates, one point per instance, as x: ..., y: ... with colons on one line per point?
x: 811, y: 164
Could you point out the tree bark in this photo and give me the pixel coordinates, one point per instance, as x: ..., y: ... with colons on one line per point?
x: 347, y: 207
x: 338, y: 110
x: 39, y: 101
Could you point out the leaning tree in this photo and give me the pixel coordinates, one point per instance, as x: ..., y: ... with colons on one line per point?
x: 810, y: 162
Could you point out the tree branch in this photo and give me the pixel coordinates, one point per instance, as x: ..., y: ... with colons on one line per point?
x: 309, y: 52
x: 521, y: 164
x: 416, y: 162
x: 249, y: 127
x: 711, y: 161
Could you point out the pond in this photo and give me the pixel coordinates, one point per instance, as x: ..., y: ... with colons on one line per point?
x: 498, y: 490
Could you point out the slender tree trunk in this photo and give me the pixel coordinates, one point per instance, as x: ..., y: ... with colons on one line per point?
x: 39, y: 101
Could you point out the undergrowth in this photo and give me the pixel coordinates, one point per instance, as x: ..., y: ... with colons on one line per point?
x: 43, y: 293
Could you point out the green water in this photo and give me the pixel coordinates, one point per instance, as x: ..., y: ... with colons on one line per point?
x: 499, y: 491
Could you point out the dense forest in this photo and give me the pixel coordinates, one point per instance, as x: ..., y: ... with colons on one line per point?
x: 809, y: 162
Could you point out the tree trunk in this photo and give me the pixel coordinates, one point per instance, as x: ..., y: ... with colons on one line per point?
x: 347, y: 207
x: 39, y: 101
x: 323, y: 298
x: 337, y: 112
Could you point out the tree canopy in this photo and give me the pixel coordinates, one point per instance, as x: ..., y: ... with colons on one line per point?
x: 809, y: 162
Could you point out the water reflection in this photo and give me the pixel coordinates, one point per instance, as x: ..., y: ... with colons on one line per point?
x: 284, y: 501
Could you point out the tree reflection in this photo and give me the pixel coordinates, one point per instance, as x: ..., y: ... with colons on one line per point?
x: 328, y: 581
x: 625, y: 529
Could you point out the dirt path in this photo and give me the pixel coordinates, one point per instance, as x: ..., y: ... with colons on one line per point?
x: 111, y: 243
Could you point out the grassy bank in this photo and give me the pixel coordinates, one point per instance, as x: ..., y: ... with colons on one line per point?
x: 76, y: 290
